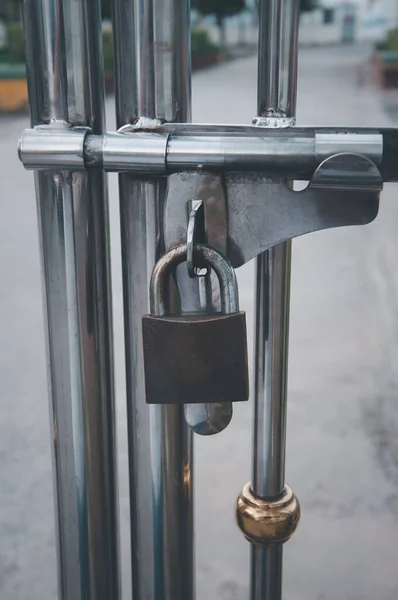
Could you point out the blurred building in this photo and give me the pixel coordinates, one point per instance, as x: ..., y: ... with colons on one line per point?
x: 333, y: 22
x: 379, y: 16
x: 240, y: 29
x: 347, y: 21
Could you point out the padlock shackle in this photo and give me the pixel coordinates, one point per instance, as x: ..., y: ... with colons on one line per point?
x: 219, y: 264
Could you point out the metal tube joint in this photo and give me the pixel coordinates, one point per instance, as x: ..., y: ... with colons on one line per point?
x: 53, y: 145
x: 267, y: 521
x: 58, y: 146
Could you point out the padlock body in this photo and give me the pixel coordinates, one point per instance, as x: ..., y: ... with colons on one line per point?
x: 195, y: 358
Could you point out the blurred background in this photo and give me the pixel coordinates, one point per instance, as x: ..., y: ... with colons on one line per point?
x: 342, y: 452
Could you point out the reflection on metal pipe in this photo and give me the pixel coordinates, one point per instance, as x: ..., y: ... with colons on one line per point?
x: 277, y: 59
x: 270, y: 378
x: 266, y: 572
x: 152, y: 80
x: 290, y: 152
x: 60, y: 36
x: 277, y: 81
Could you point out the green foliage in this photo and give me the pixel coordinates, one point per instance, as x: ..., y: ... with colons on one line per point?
x: 105, y: 9
x: 10, y: 10
x: 16, y: 47
x: 224, y: 8
x: 15, y: 52
x: 107, y: 47
x: 390, y: 42
x: 201, y: 43
x: 219, y: 8
x: 307, y: 5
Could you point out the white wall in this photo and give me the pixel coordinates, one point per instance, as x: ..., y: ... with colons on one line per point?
x: 313, y: 30
x: 377, y: 18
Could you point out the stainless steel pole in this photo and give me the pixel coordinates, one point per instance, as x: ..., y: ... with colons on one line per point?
x: 64, y: 67
x: 277, y: 79
x: 270, y: 383
x: 277, y: 58
x: 152, y: 62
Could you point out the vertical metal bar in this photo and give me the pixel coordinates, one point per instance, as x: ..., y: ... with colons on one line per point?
x: 64, y: 66
x: 277, y: 58
x: 270, y: 380
x: 277, y: 80
x: 152, y: 62
x: 266, y: 573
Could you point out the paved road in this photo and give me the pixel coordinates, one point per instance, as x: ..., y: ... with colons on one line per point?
x: 342, y: 455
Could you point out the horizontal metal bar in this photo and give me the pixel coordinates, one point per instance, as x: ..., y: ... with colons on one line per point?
x: 47, y: 146
x: 241, y: 153
x: 149, y: 153
x: 293, y: 153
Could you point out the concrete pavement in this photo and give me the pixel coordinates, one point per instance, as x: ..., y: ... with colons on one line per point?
x: 342, y: 453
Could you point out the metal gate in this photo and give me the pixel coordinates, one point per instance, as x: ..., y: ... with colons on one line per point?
x: 241, y: 177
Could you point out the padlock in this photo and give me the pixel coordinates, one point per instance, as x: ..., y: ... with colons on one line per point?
x: 195, y: 358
